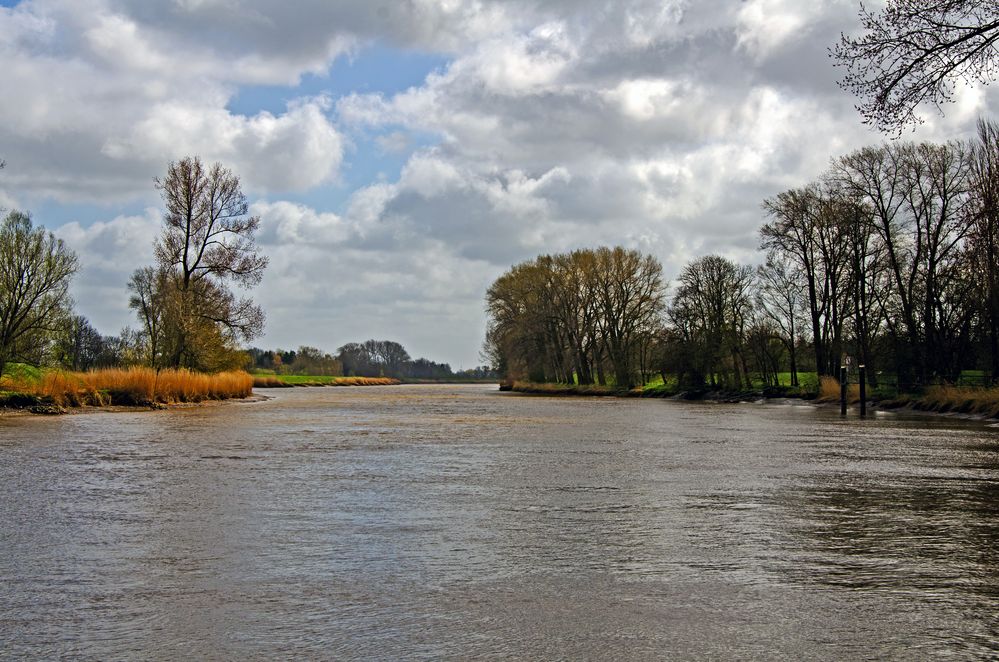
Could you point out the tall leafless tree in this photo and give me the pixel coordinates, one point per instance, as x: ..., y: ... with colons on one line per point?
x: 207, y: 244
x: 780, y: 296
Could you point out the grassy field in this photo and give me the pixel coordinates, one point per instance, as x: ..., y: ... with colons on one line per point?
x: 285, y: 381
x: 26, y: 387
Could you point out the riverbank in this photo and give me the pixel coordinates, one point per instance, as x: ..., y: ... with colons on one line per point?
x: 961, y: 401
x: 658, y: 391
x: 978, y: 402
x: 288, y: 381
x: 55, y: 392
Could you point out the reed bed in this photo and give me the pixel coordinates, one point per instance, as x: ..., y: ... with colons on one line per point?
x: 365, y: 381
x: 829, y: 391
x: 286, y: 381
x: 269, y: 381
x: 132, y: 386
x: 957, y: 399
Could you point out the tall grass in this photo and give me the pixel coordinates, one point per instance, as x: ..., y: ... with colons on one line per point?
x: 941, y: 398
x: 269, y: 381
x: 959, y: 399
x: 829, y: 391
x: 132, y: 386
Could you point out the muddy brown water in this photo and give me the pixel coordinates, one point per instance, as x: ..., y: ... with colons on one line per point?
x: 457, y: 522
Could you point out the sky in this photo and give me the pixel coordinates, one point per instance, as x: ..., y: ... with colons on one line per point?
x: 402, y: 154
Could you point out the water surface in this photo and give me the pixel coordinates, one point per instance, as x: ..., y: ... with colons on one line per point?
x: 458, y: 522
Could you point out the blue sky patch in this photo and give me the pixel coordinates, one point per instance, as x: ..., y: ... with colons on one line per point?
x: 377, y: 69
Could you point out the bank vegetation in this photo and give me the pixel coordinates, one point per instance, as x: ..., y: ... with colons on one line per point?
x: 136, y: 386
x: 889, y: 259
x: 290, y: 381
x: 191, y: 321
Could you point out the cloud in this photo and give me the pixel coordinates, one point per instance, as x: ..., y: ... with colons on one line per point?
x: 396, y: 142
x: 105, y: 97
x: 109, y: 251
x: 287, y: 223
x: 294, y: 151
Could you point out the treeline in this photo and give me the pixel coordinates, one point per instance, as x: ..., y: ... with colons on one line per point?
x: 372, y: 358
x: 577, y: 317
x: 891, y: 257
x: 893, y: 254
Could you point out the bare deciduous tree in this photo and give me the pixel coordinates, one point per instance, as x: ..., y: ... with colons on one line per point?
x: 985, y: 232
x: 207, y: 232
x: 207, y: 243
x: 780, y: 296
x: 917, y: 51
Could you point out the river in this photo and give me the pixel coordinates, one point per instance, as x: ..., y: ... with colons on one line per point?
x: 457, y: 522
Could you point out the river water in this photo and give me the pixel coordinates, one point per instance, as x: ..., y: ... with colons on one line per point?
x: 457, y: 522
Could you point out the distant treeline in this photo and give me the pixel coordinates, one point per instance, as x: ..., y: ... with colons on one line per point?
x: 891, y: 257
x: 577, y: 317
x: 372, y: 358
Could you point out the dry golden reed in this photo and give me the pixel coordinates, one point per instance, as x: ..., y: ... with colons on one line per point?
x: 982, y: 401
x: 365, y: 381
x: 829, y: 391
x: 270, y: 381
x: 135, y: 386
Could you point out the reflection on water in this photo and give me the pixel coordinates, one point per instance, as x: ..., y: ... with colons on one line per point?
x: 459, y: 522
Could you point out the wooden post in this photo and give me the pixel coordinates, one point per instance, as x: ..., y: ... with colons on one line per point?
x: 842, y: 390
x: 863, y: 390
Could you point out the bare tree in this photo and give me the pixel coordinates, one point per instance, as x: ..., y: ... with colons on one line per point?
x: 916, y: 51
x: 207, y: 243
x: 149, y: 287
x: 630, y: 296
x: 780, y: 297
x: 793, y: 232
x: 35, y: 270
x: 711, y: 308
x: 207, y: 232
x: 985, y: 232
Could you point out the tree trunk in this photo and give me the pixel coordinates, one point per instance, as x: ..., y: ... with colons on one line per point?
x: 794, y: 367
x: 820, y: 355
x: 993, y: 341
x: 992, y: 273
x: 622, y: 376
x: 601, y: 375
